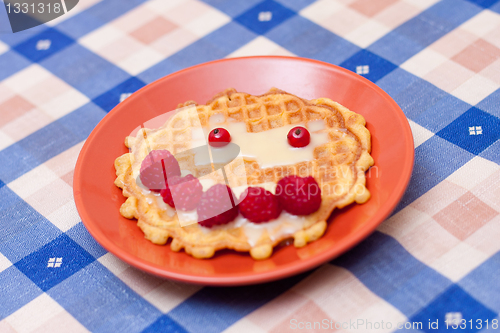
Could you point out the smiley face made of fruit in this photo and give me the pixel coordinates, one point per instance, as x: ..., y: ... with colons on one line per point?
x: 274, y: 168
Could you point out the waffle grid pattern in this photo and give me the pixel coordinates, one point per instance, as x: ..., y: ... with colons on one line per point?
x: 435, y: 258
x: 340, y: 175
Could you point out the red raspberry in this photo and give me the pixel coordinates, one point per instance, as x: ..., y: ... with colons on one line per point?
x: 259, y: 205
x: 157, y: 167
x: 183, y: 193
x: 217, y: 206
x: 299, y: 195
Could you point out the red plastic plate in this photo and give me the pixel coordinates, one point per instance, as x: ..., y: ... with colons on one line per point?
x: 98, y: 200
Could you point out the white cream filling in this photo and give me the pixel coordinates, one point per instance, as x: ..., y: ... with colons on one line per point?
x: 285, y: 225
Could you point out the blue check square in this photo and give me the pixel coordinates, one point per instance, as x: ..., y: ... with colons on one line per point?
x: 80, y: 123
x: 224, y: 308
x: 96, y: 16
x: 484, y: 3
x: 15, y: 162
x: 397, y: 81
x: 309, y: 40
x: 215, y: 45
x: 232, y: 8
x: 495, y: 7
x: 18, y: 38
x: 491, y: 153
x: 392, y: 273
x: 442, y: 113
x: 422, y: 180
x: 102, y: 302
x: 369, y: 65
x: 396, y: 47
x: 296, y: 5
x: 437, y: 21
x: 111, y: 98
x: 44, y: 45
x: 481, y: 286
x: 54, y: 262
x: 165, y: 324
x: 48, y: 142
x: 474, y: 130
x: 265, y: 16
x: 424, y: 29
x: 450, y: 13
x: 435, y: 160
x: 490, y: 104
x: 419, y: 96
x: 24, y: 230
x: 12, y: 62
x: 85, y: 71
x: 17, y: 290
x: 80, y: 235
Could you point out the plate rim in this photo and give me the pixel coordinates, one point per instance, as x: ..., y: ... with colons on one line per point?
x: 286, y: 270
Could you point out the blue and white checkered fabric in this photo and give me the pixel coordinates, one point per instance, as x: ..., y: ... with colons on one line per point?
x: 434, y: 262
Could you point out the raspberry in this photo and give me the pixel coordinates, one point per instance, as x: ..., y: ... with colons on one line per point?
x: 299, y: 195
x: 259, y: 205
x: 157, y: 167
x: 182, y: 192
x: 217, y: 206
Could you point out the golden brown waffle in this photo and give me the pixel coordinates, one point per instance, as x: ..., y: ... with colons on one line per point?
x: 338, y: 166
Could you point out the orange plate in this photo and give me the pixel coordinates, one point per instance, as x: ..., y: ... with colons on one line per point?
x: 98, y: 200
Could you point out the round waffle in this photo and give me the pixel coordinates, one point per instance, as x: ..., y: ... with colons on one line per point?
x: 338, y: 165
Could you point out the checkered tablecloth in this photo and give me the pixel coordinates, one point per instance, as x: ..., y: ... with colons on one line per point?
x: 436, y: 260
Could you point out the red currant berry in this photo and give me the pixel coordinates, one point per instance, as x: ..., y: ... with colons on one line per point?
x: 299, y: 137
x: 219, y: 137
